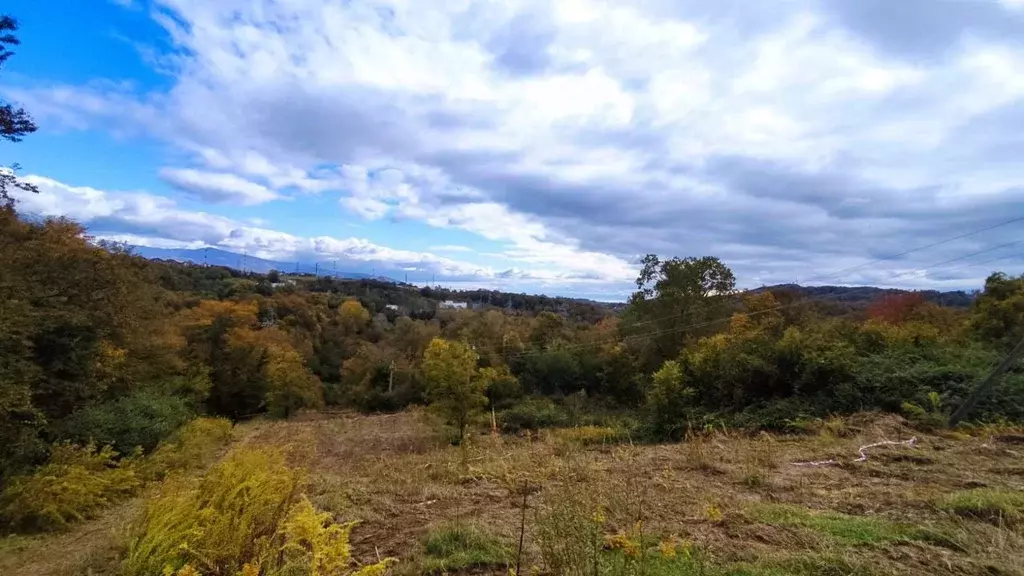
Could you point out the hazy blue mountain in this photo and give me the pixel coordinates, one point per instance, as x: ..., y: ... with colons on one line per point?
x: 217, y: 257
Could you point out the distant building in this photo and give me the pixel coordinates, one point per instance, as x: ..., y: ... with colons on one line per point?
x: 452, y: 304
x: 391, y: 307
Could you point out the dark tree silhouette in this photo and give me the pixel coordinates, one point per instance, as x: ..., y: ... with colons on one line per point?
x: 15, y: 122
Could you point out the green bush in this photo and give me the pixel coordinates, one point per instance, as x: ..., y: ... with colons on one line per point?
x: 140, y: 420
x: 532, y: 413
x: 669, y: 402
x: 75, y: 484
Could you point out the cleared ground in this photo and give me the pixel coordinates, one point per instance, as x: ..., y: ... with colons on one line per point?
x: 948, y: 504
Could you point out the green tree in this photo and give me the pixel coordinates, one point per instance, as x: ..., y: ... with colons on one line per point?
x: 673, y: 294
x: 501, y: 386
x: 998, y: 312
x: 454, y: 387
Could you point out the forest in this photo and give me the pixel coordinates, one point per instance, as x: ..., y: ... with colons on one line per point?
x: 98, y: 345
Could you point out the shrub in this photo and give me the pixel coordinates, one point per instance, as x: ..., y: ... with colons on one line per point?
x: 75, y: 484
x: 140, y: 420
x: 245, y: 516
x: 193, y: 445
x: 532, y: 414
x: 670, y: 402
x: 928, y: 418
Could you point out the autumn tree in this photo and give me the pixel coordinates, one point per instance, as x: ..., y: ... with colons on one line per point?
x: 895, y: 308
x: 290, y: 384
x: 454, y: 387
x: 353, y: 316
x: 79, y: 325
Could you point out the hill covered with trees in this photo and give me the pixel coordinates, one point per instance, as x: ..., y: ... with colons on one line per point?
x: 99, y: 344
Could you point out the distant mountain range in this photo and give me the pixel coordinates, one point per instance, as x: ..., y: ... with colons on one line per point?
x: 217, y: 257
x: 863, y: 294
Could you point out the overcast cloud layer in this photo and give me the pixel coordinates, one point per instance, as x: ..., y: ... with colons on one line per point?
x: 789, y: 138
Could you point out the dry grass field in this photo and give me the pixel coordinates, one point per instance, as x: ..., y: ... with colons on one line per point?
x: 579, y: 503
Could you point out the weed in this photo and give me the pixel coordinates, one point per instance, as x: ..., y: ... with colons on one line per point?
x: 712, y: 513
x: 591, y: 435
x: 76, y: 483
x: 682, y: 561
x: 451, y: 548
x: 759, y: 461
x: 928, y: 417
x: 218, y: 523
x: 697, y: 453
x: 570, y: 532
x: 990, y: 504
x: 245, y: 516
x: 190, y: 447
x: 836, y: 427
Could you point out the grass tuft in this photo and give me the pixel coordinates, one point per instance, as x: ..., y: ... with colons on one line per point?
x: 800, y: 565
x: 990, y: 504
x: 451, y: 548
x: 845, y: 529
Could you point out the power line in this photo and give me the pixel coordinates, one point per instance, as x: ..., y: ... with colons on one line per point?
x: 663, y: 332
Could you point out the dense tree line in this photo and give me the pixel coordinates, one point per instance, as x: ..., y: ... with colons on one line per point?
x: 96, y: 343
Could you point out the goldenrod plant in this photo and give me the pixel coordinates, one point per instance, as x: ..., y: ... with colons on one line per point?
x: 246, y: 517
x: 75, y: 484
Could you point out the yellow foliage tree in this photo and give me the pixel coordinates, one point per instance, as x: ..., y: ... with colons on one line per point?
x: 291, y: 385
x: 454, y: 386
x: 270, y: 358
x: 353, y: 316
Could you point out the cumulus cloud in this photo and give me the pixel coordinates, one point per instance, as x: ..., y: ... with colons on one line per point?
x: 148, y: 220
x: 218, y: 187
x: 789, y: 138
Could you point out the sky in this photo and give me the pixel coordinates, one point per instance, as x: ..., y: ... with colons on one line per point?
x: 537, y: 146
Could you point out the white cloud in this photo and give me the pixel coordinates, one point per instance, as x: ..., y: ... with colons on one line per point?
x: 450, y: 248
x: 148, y: 220
x: 786, y: 137
x: 218, y: 187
